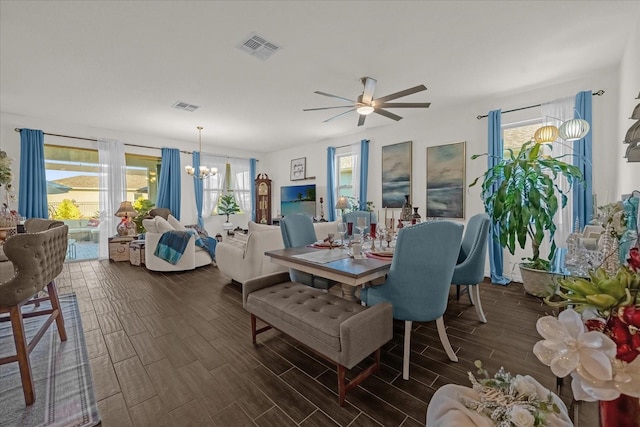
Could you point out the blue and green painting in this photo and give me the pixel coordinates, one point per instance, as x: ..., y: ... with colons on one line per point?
x: 298, y: 198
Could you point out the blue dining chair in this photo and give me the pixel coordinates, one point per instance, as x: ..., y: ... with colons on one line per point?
x: 419, y: 279
x: 298, y: 231
x: 469, y: 270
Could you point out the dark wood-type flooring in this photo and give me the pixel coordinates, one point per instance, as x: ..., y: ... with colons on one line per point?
x: 175, y: 349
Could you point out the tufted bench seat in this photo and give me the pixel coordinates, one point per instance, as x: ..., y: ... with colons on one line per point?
x: 341, y: 331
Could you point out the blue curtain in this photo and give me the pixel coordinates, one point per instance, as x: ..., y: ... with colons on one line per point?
x: 496, y: 148
x: 32, y: 194
x: 252, y: 178
x: 583, y: 192
x: 198, y: 188
x: 169, y: 183
x: 331, y: 172
x: 364, y: 173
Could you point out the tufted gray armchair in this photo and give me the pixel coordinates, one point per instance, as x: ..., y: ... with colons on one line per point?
x: 37, y: 258
x: 34, y: 225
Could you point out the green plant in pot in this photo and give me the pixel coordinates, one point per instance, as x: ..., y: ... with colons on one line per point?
x: 142, y: 206
x: 524, y: 203
x: 227, y: 205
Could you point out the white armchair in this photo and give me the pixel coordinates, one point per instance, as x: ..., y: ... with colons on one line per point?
x: 192, y: 257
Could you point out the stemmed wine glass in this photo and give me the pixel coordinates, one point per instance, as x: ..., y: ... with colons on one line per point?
x: 342, y: 230
x: 361, y: 225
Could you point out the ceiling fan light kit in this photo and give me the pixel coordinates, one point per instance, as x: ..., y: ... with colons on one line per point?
x: 366, y: 104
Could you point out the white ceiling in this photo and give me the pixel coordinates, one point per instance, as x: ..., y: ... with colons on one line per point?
x: 122, y: 65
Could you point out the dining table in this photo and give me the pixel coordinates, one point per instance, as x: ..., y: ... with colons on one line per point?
x: 334, y: 264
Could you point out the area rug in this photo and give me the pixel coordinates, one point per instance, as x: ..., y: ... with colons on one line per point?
x: 61, y: 373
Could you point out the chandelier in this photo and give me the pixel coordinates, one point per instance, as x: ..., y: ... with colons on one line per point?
x: 203, y: 171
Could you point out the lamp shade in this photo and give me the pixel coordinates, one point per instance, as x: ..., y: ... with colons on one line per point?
x: 633, y: 153
x: 126, y: 209
x: 546, y: 134
x: 574, y: 129
x: 633, y: 134
x: 342, y: 203
x: 636, y: 113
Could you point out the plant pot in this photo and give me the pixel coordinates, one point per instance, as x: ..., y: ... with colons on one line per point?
x: 539, y: 283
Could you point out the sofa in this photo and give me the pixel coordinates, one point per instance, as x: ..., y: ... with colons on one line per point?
x: 241, y: 257
x: 192, y: 257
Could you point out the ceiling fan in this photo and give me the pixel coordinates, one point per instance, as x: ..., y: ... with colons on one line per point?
x: 365, y: 104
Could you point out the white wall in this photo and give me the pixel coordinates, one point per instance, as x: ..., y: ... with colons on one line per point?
x: 447, y: 125
x: 628, y: 174
x: 10, y: 142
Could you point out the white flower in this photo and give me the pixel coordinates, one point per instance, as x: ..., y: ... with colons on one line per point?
x: 524, y: 387
x: 568, y: 346
x: 520, y: 417
x: 626, y: 380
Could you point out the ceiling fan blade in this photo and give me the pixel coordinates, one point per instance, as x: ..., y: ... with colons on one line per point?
x: 369, y: 88
x: 403, y: 105
x: 328, y: 108
x: 335, y: 96
x: 341, y: 114
x: 361, y: 119
x: 388, y: 114
x: 400, y: 94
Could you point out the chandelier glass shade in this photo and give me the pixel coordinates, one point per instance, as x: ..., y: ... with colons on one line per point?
x: 574, y: 129
x: 546, y: 134
x: 633, y: 134
x: 202, y: 172
x: 636, y: 113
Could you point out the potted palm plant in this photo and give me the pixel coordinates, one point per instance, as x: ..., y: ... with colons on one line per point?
x: 227, y: 205
x: 521, y: 198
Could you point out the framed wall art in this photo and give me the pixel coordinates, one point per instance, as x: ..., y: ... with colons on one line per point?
x: 297, y: 199
x: 298, y: 168
x: 396, y: 174
x: 446, y: 180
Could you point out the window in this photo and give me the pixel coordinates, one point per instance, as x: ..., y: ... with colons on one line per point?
x: 516, y: 134
x: 346, y: 181
x: 233, y: 176
x: 73, y: 180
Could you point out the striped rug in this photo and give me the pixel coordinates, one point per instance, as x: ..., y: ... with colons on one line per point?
x: 61, y: 372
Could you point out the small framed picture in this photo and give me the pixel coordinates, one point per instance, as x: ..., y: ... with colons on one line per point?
x: 298, y: 168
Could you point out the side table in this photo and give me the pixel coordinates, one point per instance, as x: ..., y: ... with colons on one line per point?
x: 119, y: 247
x: 136, y: 252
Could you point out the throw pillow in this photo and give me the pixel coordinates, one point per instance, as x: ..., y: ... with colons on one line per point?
x: 162, y: 225
x: 149, y: 225
x: 175, y: 223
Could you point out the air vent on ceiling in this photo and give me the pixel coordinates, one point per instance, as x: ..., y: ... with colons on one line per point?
x: 258, y: 46
x: 185, y: 106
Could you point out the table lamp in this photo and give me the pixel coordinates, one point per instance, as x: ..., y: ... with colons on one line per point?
x: 126, y: 212
x: 342, y: 204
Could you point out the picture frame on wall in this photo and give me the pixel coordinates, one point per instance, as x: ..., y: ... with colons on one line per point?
x: 446, y: 180
x: 396, y: 174
x: 298, y: 169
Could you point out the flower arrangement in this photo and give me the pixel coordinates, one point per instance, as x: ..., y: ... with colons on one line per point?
x: 597, y: 341
x: 509, y: 401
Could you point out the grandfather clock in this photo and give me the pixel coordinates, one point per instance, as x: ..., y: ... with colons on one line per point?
x: 263, y: 194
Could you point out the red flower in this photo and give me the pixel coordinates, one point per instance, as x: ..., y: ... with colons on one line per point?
x: 634, y: 259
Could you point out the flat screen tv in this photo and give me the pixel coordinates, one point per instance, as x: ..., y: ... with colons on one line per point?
x: 298, y: 198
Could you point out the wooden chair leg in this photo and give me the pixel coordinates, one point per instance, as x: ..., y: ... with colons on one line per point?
x: 457, y: 292
x: 55, y: 305
x: 444, y: 339
x: 253, y: 328
x: 22, y: 353
x: 407, y: 349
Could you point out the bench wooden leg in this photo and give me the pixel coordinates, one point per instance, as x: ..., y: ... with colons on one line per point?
x: 255, y: 331
x: 344, y: 387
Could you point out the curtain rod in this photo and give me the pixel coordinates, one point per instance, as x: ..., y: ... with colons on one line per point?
x: 599, y: 93
x: 130, y: 145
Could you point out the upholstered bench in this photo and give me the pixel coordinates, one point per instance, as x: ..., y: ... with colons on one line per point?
x: 341, y: 331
